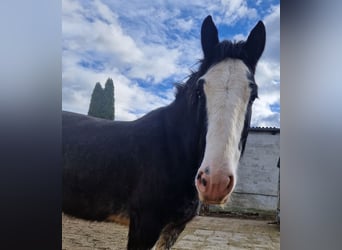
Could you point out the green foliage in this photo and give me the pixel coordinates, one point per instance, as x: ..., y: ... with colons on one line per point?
x: 109, y: 99
x: 95, y: 107
x: 102, y: 101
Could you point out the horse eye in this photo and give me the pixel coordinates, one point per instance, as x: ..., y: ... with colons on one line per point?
x: 200, y: 82
x: 254, y: 92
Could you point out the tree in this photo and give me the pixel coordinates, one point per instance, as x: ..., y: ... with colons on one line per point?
x: 95, y: 107
x: 109, y: 99
x: 102, y: 101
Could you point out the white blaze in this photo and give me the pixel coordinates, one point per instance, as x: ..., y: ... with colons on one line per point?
x: 227, y: 94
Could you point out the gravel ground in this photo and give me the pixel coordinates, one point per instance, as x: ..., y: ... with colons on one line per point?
x: 209, y: 233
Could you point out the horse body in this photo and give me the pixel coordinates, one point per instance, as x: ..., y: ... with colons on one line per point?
x: 150, y: 173
x: 127, y: 172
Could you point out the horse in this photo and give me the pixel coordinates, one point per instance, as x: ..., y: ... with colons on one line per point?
x: 151, y: 173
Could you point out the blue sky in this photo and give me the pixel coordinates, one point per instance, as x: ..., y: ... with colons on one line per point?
x: 146, y: 46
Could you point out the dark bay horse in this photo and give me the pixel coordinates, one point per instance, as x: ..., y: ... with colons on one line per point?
x: 151, y: 173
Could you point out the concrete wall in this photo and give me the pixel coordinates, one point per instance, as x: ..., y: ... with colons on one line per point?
x: 258, y: 174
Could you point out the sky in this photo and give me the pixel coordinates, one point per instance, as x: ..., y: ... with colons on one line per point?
x: 147, y: 46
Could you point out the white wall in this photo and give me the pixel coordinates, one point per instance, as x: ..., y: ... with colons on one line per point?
x: 258, y: 174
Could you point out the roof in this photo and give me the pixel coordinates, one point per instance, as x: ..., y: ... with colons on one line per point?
x: 272, y: 130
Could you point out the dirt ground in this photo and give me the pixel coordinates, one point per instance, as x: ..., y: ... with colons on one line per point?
x: 203, y: 232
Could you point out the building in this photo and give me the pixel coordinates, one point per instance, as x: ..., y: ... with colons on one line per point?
x: 258, y: 174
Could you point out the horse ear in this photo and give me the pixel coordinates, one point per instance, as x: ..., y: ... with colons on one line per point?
x: 209, y: 37
x: 255, y: 43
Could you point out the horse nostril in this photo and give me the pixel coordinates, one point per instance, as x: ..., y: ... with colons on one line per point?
x: 204, y: 182
x: 199, y: 175
x: 201, y: 179
x: 230, y: 183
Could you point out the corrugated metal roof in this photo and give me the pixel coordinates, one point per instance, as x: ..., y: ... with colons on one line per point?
x: 273, y: 130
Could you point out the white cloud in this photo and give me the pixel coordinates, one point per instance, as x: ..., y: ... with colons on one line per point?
x: 131, y: 101
x: 105, y: 12
x: 272, y: 23
x: 239, y: 37
x: 110, y: 42
x: 258, y: 2
x: 234, y: 10
x: 184, y: 25
x: 268, y: 74
x: 130, y: 41
x: 93, y: 33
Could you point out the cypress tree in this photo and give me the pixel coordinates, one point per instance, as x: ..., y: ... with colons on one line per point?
x: 95, y: 107
x: 109, y: 100
x: 102, y: 101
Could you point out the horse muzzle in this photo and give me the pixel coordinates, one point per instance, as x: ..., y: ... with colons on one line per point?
x: 214, y: 188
